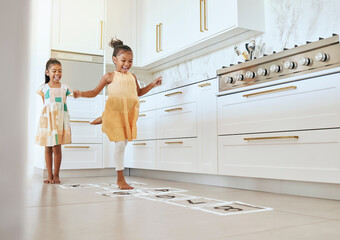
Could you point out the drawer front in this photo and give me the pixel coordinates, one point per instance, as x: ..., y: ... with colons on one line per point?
x: 177, y: 155
x: 141, y: 154
x: 301, y: 155
x: 176, y: 97
x: 84, y: 132
x: 177, y: 121
x: 82, y: 156
x: 147, y: 125
x: 305, y: 104
x: 88, y: 108
x: 147, y: 103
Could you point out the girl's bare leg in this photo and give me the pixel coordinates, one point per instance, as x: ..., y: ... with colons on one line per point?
x: 122, y: 184
x: 57, y: 162
x: 97, y: 121
x: 48, y: 161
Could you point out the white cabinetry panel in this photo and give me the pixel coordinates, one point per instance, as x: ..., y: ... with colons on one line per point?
x: 291, y: 106
x: 83, y: 132
x: 176, y: 96
x: 177, y: 155
x: 177, y: 121
x: 88, y: 108
x: 146, y: 125
x: 141, y: 154
x: 301, y: 155
x: 147, y: 103
x: 82, y: 156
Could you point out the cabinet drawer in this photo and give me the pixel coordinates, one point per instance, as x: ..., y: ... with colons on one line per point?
x: 89, y: 108
x: 84, y: 132
x: 177, y: 121
x: 141, y: 154
x: 301, y: 155
x: 305, y: 104
x: 177, y: 155
x: 82, y: 156
x: 177, y: 96
x: 147, y: 103
x: 147, y: 125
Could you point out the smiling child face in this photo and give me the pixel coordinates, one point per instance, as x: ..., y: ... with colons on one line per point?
x: 55, y: 73
x: 123, y: 61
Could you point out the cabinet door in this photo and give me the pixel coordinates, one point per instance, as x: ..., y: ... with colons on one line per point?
x: 300, y: 156
x: 177, y: 121
x: 147, y: 125
x: 77, y: 26
x: 84, y: 132
x: 207, y: 126
x: 141, y: 154
x: 177, y: 155
x: 82, y: 156
x: 88, y: 108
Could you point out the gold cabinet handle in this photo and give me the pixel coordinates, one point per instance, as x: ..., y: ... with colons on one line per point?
x: 157, y: 35
x: 201, y: 29
x: 173, y: 109
x: 79, y: 121
x: 271, y: 91
x: 204, y: 85
x: 171, y: 94
x: 205, y: 15
x: 139, y: 144
x: 142, y: 115
x: 160, y: 37
x: 142, y: 101
x: 101, y: 34
x: 173, y: 142
x: 268, y: 138
x: 76, y: 147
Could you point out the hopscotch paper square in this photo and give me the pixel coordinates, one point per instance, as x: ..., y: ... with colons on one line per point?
x: 118, y: 193
x: 163, y: 197
x: 77, y: 186
x: 161, y: 190
x: 232, y: 208
x: 194, y: 201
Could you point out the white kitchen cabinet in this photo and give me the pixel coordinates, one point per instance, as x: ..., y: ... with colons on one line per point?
x: 207, y: 126
x: 120, y: 22
x: 176, y: 96
x: 207, y: 25
x: 84, y: 132
x: 147, y: 125
x: 85, y: 108
x: 141, y: 154
x: 301, y: 155
x: 177, y: 121
x: 148, y: 103
x: 177, y: 155
x: 78, y: 26
x: 290, y: 106
x: 82, y: 156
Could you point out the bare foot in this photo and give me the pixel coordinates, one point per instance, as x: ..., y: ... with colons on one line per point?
x: 48, y: 181
x: 56, y: 180
x: 123, y: 185
x: 97, y: 121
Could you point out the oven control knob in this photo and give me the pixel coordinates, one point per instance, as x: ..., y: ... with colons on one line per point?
x: 305, y: 61
x: 321, y: 57
x: 290, y: 65
x: 275, y: 68
x: 250, y: 74
x: 262, y: 71
x: 229, y: 80
x: 239, y: 77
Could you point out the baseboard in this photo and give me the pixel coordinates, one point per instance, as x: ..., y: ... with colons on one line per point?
x: 73, y: 173
x: 306, y: 189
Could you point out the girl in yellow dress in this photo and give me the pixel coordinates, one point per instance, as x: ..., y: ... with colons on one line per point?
x: 122, y: 106
x: 54, y: 125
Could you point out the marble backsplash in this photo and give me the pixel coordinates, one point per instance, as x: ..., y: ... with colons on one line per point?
x: 288, y: 22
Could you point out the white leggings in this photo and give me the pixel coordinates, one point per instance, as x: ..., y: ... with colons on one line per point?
x: 119, y: 155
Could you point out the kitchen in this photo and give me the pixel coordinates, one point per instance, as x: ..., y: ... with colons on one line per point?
x: 208, y: 146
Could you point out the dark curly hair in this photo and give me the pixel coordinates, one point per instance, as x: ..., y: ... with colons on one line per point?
x: 118, y: 46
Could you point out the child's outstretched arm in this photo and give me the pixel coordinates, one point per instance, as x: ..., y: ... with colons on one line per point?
x: 144, y: 90
x: 106, y: 79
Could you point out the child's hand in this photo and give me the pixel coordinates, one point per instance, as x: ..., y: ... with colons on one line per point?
x: 76, y: 93
x: 157, y: 81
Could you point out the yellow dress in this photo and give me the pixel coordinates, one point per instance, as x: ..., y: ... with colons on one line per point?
x: 121, y: 108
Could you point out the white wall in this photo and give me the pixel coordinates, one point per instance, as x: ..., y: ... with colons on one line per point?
x: 14, y: 48
x: 288, y: 22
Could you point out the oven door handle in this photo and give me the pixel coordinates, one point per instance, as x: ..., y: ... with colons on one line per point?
x: 271, y: 91
x: 269, y: 138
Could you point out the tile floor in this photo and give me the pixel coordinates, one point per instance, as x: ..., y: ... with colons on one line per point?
x: 55, y: 213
